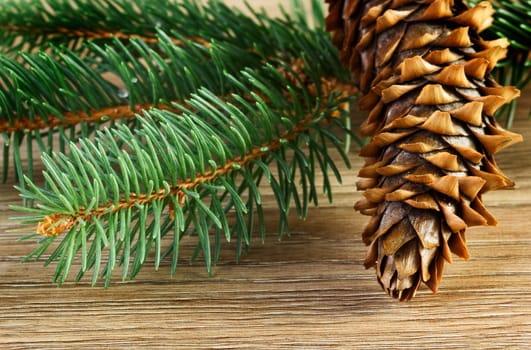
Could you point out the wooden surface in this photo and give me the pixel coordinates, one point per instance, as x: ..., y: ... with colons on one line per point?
x: 308, y: 291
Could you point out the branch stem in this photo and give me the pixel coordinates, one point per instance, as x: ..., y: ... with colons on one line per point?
x: 98, y: 34
x: 71, y: 118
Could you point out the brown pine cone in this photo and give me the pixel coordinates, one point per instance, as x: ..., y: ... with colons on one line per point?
x: 423, y: 73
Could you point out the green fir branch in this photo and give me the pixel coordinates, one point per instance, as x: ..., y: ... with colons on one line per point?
x: 72, y: 93
x: 63, y: 93
x: 29, y: 25
x: 512, y: 20
x: 115, y: 198
x: 169, y: 121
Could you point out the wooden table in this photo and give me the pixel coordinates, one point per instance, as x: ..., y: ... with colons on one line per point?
x: 308, y: 291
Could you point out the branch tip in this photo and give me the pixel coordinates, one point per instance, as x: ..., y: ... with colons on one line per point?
x: 55, y: 224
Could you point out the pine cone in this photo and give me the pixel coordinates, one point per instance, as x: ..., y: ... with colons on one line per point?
x: 424, y: 76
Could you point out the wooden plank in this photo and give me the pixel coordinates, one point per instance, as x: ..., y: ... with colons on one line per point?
x: 307, y: 291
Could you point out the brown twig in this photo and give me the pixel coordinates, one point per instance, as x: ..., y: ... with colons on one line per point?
x: 71, y: 118
x: 150, y: 38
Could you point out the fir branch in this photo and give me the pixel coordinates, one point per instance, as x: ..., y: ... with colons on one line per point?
x: 41, y: 23
x: 54, y: 92
x: 113, y: 199
x: 179, y: 162
x: 41, y: 91
x: 56, y: 224
x: 70, y: 24
x: 512, y: 22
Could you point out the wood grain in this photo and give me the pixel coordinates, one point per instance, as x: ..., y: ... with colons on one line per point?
x: 307, y: 291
